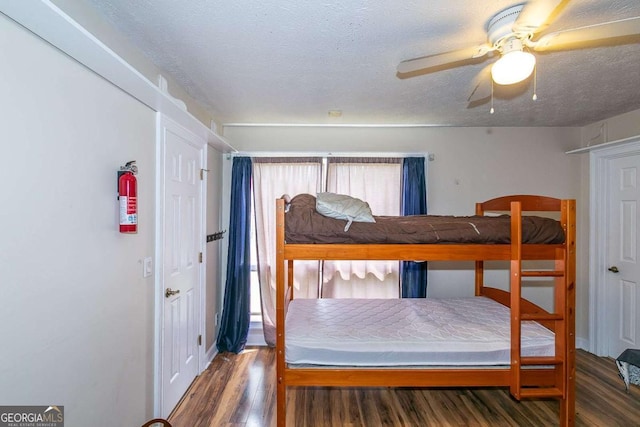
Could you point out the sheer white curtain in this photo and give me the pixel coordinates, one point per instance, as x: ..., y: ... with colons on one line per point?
x: 271, y: 179
x: 378, y: 182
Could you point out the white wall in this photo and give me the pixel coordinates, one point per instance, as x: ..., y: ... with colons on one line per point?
x: 612, y: 129
x: 214, y: 285
x: 84, y: 13
x: 77, y: 316
x: 471, y: 165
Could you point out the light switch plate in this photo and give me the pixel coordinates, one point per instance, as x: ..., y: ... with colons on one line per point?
x: 147, y: 267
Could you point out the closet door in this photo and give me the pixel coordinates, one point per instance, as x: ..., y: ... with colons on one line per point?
x: 181, y: 251
x: 623, y: 267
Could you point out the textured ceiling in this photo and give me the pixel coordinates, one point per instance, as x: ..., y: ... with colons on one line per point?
x: 290, y: 61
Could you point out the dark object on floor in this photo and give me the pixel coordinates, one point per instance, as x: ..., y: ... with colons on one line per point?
x: 629, y: 366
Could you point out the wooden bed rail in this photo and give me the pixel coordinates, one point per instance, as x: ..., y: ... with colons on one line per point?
x: 526, y: 306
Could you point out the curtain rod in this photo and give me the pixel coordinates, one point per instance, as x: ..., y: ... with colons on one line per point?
x: 339, y: 125
x: 428, y: 155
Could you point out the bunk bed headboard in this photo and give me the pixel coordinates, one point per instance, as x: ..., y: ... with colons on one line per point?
x: 527, y: 204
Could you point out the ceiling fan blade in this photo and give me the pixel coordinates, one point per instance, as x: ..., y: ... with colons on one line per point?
x: 481, y: 85
x: 441, y: 61
x: 589, y: 33
x: 536, y: 15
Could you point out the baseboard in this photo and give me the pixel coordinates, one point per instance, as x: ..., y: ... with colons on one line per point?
x: 582, y: 344
x: 210, y: 354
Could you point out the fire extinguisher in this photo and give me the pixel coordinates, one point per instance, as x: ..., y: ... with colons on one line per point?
x: 128, y: 196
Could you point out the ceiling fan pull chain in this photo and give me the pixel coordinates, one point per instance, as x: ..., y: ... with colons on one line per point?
x: 491, y: 111
x: 535, y: 82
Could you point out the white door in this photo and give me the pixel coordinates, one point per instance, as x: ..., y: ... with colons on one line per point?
x: 181, y: 265
x: 623, y: 275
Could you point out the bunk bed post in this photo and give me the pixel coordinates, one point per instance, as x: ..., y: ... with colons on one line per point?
x: 567, y: 404
x: 479, y: 264
x: 515, y: 285
x: 281, y: 388
x: 289, y: 288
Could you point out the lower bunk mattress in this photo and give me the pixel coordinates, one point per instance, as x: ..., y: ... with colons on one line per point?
x: 472, y: 331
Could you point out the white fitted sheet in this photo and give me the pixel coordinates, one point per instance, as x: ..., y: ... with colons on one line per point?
x: 471, y: 331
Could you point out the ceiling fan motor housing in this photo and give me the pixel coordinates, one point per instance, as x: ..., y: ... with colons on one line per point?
x: 500, y: 27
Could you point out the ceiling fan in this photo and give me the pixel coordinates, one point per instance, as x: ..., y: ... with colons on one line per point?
x: 513, y: 33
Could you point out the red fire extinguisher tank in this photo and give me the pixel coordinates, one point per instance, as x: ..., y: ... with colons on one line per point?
x: 128, y: 193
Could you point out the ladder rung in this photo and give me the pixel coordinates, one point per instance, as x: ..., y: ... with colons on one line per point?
x: 542, y: 273
x: 541, y: 392
x: 543, y: 360
x: 541, y: 316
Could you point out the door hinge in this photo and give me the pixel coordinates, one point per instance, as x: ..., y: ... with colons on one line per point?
x: 202, y: 171
x: 200, y: 257
x: 199, y: 339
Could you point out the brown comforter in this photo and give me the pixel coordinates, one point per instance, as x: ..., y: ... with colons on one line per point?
x: 303, y: 224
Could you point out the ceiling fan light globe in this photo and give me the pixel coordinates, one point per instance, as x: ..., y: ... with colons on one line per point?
x: 513, y: 67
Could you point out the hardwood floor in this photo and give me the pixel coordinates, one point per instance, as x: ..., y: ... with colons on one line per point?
x: 239, y: 390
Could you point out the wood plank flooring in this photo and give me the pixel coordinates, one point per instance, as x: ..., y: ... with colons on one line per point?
x: 239, y: 390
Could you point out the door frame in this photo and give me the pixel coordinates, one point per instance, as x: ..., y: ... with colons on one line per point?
x: 598, y: 228
x: 164, y: 124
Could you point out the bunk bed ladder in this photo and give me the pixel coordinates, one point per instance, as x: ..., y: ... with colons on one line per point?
x: 557, y: 320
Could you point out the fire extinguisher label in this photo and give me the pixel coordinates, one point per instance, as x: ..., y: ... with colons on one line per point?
x: 128, y: 214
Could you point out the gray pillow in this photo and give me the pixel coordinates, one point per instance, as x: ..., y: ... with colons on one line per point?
x: 341, y: 206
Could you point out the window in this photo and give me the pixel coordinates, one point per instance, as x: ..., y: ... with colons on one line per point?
x: 377, y: 181
x: 255, y: 304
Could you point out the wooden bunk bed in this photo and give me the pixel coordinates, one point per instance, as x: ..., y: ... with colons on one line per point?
x: 525, y: 376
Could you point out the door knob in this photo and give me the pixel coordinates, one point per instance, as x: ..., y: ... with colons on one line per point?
x: 614, y: 269
x: 170, y: 292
